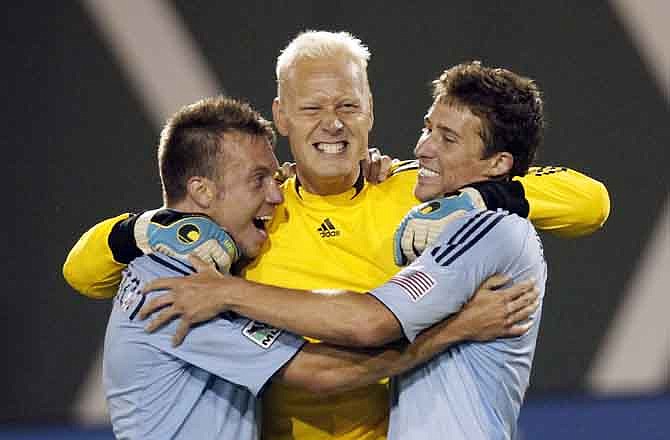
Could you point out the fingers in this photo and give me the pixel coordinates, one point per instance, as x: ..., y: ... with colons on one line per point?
x: 164, y: 317
x: 182, y: 330
x: 495, y: 282
x: 520, y: 321
x: 160, y: 284
x: 372, y: 166
x: 519, y: 329
x: 520, y: 295
x: 385, y: 164
x: 523, y: 313
x: 286, y: 170
x: 376, y: 166
x: 519, y: 302
x: 156, y: 304
x: 200, y: 265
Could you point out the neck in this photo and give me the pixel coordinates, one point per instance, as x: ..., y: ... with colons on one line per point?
x: 186, y: 205
x: 328, y: 186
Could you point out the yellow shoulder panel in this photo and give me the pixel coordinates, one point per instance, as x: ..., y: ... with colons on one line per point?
x: 565, y: 202
x: 90, y: 267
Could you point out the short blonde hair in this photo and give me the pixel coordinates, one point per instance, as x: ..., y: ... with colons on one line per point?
x: 314, y: 45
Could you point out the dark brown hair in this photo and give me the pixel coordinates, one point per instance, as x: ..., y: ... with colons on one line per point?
x: 509, y: 105
x: 191, y: 141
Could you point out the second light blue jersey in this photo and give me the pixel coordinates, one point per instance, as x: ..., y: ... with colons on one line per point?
x: 207, y: 388
x: 473, y: 390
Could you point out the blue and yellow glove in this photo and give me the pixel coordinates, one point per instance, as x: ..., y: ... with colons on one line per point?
x: 180, y: 234
x: 424, y: 223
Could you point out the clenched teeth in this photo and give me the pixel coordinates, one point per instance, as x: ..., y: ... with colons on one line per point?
x: 330, y: 148
x: 425, y: 172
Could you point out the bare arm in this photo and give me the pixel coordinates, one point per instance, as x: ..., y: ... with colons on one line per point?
x: 343, y: 318
x: 325, y: 368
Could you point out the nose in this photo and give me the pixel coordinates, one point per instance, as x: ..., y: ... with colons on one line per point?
x: 331, y: 123
x: 273, y: 194
x: 423, y: 146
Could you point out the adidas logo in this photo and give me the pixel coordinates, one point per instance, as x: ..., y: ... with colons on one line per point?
x: 327, y: 229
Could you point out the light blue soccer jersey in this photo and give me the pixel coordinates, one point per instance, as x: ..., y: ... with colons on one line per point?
x: 473, y: 390
x: 207, y: 388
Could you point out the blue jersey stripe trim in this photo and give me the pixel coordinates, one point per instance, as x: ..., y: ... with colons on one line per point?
x: 466, y: 225
x: 481, y: 219
x: 162, y: 262
x: 137, y: 308
x: 453, y: 243
x: 181, y: 262
x: 474, y: 241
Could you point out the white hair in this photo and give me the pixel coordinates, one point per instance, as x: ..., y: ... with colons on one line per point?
x: 314, y: 45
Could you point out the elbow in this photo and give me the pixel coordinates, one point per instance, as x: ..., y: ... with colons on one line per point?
x: 75, y: 278
x: 313, y: 378
x: 323, y: 384
x: 602, y: 211
x: 592, y: 212
x: 72, y: 275
x: 333, y: 381
x: 597, y: 209
x: 374, y: 330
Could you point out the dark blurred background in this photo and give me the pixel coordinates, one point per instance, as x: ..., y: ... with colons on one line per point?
x: 88, y: 84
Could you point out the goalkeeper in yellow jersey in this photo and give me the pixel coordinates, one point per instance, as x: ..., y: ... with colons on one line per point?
x: 335, y: 230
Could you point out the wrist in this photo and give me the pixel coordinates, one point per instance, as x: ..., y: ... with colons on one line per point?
x: 458, y: 331
x: 231, y: 295
x: 121, y: 240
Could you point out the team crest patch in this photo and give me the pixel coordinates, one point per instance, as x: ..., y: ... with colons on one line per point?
x: 188, y: 233
x: 415, y: 283
x: 261, y: 334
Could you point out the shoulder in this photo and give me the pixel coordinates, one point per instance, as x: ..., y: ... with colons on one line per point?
x: 404, y: 166
x: 148, y: 267
x: 484, y: 222
x: 404, y: 171
x: 400, y: 183
x: 483, y: 233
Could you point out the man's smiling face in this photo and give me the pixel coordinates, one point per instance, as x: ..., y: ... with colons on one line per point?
x: 450, y: 151
x: 326, y: 112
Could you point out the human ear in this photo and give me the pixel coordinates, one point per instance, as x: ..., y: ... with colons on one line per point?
x: 279, y: 117
x: 500, y: 164
x: 201, y: 191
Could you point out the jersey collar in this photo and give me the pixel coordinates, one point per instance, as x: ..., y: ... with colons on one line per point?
x: 358, y: 186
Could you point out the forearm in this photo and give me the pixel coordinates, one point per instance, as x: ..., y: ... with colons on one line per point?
x: 341, y: 317
x: 325, y: 368
x: 91, y: 267
x: 565, y: 202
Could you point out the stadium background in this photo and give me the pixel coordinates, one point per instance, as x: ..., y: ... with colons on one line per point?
x: 87, y: 85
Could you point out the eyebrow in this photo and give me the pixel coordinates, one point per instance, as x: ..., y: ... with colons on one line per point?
x: 443, y: 128
x: 263, y: 169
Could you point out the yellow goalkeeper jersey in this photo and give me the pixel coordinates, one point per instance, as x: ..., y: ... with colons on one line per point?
x: 345, y: 241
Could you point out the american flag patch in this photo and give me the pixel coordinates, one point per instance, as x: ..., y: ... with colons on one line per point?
x: 414, y: 282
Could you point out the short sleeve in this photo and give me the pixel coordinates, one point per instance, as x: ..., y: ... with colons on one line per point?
x: 239, y: 350
x: 236, y: 349
x: 447, y: 274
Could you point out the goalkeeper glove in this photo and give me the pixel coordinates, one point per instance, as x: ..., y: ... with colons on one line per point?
x: 424, y: 223
x: 179, y: 234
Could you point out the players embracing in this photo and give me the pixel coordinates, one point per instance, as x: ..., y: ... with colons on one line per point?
x: 324, y: 106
